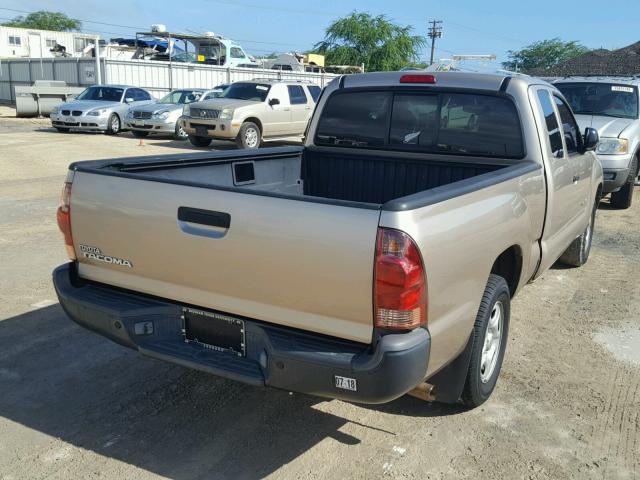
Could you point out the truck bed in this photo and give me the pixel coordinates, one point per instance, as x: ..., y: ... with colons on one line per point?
x: 343, y: 176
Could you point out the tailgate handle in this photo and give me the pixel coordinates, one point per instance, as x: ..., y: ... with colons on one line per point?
x: 204, y: 217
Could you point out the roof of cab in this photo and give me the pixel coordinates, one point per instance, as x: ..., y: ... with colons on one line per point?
x: 467, y: 80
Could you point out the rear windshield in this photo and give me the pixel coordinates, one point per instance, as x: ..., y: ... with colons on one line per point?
x: 606, y: 99
x: 446, y: 123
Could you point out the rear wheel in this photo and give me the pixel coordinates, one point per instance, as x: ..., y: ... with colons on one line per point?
x: 62, y: 129
x: 139, y: 134
x: 622, y: 198
x: 113, y: 124
x: 199, y: 141
x: 488, y: 342
x: 577, y: 253
x: 180, y: 134
x: 249, y: 136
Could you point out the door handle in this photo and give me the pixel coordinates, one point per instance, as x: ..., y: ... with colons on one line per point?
x: 191, y: 221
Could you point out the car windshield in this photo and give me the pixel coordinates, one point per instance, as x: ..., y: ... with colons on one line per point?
x: 181, y: 97
x: 105, y: 94
x: 247, y: 91
x: 607, y: 99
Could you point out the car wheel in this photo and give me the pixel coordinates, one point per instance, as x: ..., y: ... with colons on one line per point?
x: 577, y: 253
x: 199, y: 141
x: 180, y: 134
x: 622, y: 198
x: 113, y: 124
x: 488, y: 342
x: 62, y: 130
x: 139, y: 134
x: 249, y: 136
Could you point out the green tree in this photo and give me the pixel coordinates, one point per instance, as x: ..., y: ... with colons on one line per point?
x: 374, y: 41
x: 543, y: 55
x: 44, y: 20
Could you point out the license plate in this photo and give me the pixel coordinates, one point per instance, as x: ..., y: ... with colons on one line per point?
x: 214, y: 331
x: 71, y: 120
x: 138, y: 123
x: 346, y: 383
x: 201, y: 131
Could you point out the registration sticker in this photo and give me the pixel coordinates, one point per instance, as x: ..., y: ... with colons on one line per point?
x: 618, y: 88
x: 346, y: 383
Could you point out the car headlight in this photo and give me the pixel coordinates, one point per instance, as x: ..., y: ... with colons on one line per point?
x: 186, y: 110
x: 97, y: 112
x: 613, y: 146
x: 163, y: 115
x: 226, y: 114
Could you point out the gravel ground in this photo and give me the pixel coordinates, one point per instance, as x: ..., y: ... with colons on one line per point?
x: 74, y: 405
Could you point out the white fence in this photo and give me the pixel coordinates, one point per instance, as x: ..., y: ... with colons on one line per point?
x: 156, y: 77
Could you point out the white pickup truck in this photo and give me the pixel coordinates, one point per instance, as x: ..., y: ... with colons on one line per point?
x: 378, y: 259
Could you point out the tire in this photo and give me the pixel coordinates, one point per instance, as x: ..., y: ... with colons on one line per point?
x: 139, y: 134
x: 199, y: 141
x: 113, y: 126
x: 622, y: 198
x: 249, y: 136
x: 492, y: 320
x: 62, y: 129
x: 180, y: 134
x: 577, y: 253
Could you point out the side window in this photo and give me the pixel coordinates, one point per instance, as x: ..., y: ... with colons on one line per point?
x: 569, y: 126
x: 296, y: 95
x: 553, y: 129
x: 237, y: 52
x: 314, y: 91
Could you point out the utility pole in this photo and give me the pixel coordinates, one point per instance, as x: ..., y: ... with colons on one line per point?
x: 435, y: 31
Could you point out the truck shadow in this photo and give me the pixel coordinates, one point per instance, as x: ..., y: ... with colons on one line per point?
x: 68, y: 383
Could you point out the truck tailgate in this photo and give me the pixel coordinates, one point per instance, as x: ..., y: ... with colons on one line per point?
x: 288, y: 262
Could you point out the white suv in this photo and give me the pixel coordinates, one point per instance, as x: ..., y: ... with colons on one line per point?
x: 251, y: 111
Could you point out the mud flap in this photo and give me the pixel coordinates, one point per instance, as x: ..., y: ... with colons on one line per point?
x: 449, y: 382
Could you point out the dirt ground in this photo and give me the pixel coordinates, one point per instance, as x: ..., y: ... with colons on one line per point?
x: 74, y: 405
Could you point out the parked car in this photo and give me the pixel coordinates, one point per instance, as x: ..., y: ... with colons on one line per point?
x: 162, y: 117
x: 99, y: 108
x: 379, y: 259
x: 610, y: 105
x: 250, y: 112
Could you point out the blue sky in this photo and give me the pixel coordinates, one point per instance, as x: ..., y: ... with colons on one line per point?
x: 469, y: 26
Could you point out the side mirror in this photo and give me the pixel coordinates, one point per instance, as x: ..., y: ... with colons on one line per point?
x: 128, y: 100
x: 591, y: 139
x: 274, y: 101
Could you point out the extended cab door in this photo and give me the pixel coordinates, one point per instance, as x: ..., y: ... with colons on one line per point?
x: 582, y: 163
x: 277, y: 118
x: 561, y: 224
x: 300, y: 109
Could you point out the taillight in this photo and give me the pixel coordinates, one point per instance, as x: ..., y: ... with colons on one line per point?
x: 400, y: 285
x: 63, y: 216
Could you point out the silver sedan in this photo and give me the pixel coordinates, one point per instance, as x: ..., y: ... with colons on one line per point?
x: 162, y: 117
x: 99, y: 108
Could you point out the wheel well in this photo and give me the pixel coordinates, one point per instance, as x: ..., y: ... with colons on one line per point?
x: 599, y: 192
x: 509, y: 266
x: 256, y: 121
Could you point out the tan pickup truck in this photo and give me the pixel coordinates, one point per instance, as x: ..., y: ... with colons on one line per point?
x: 378, y: 259
x: 250, y: 112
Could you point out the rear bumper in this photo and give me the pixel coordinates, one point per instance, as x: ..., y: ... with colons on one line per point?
x: 276, y: 357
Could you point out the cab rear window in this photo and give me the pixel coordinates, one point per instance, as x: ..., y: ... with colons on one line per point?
x: 445, y: 123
